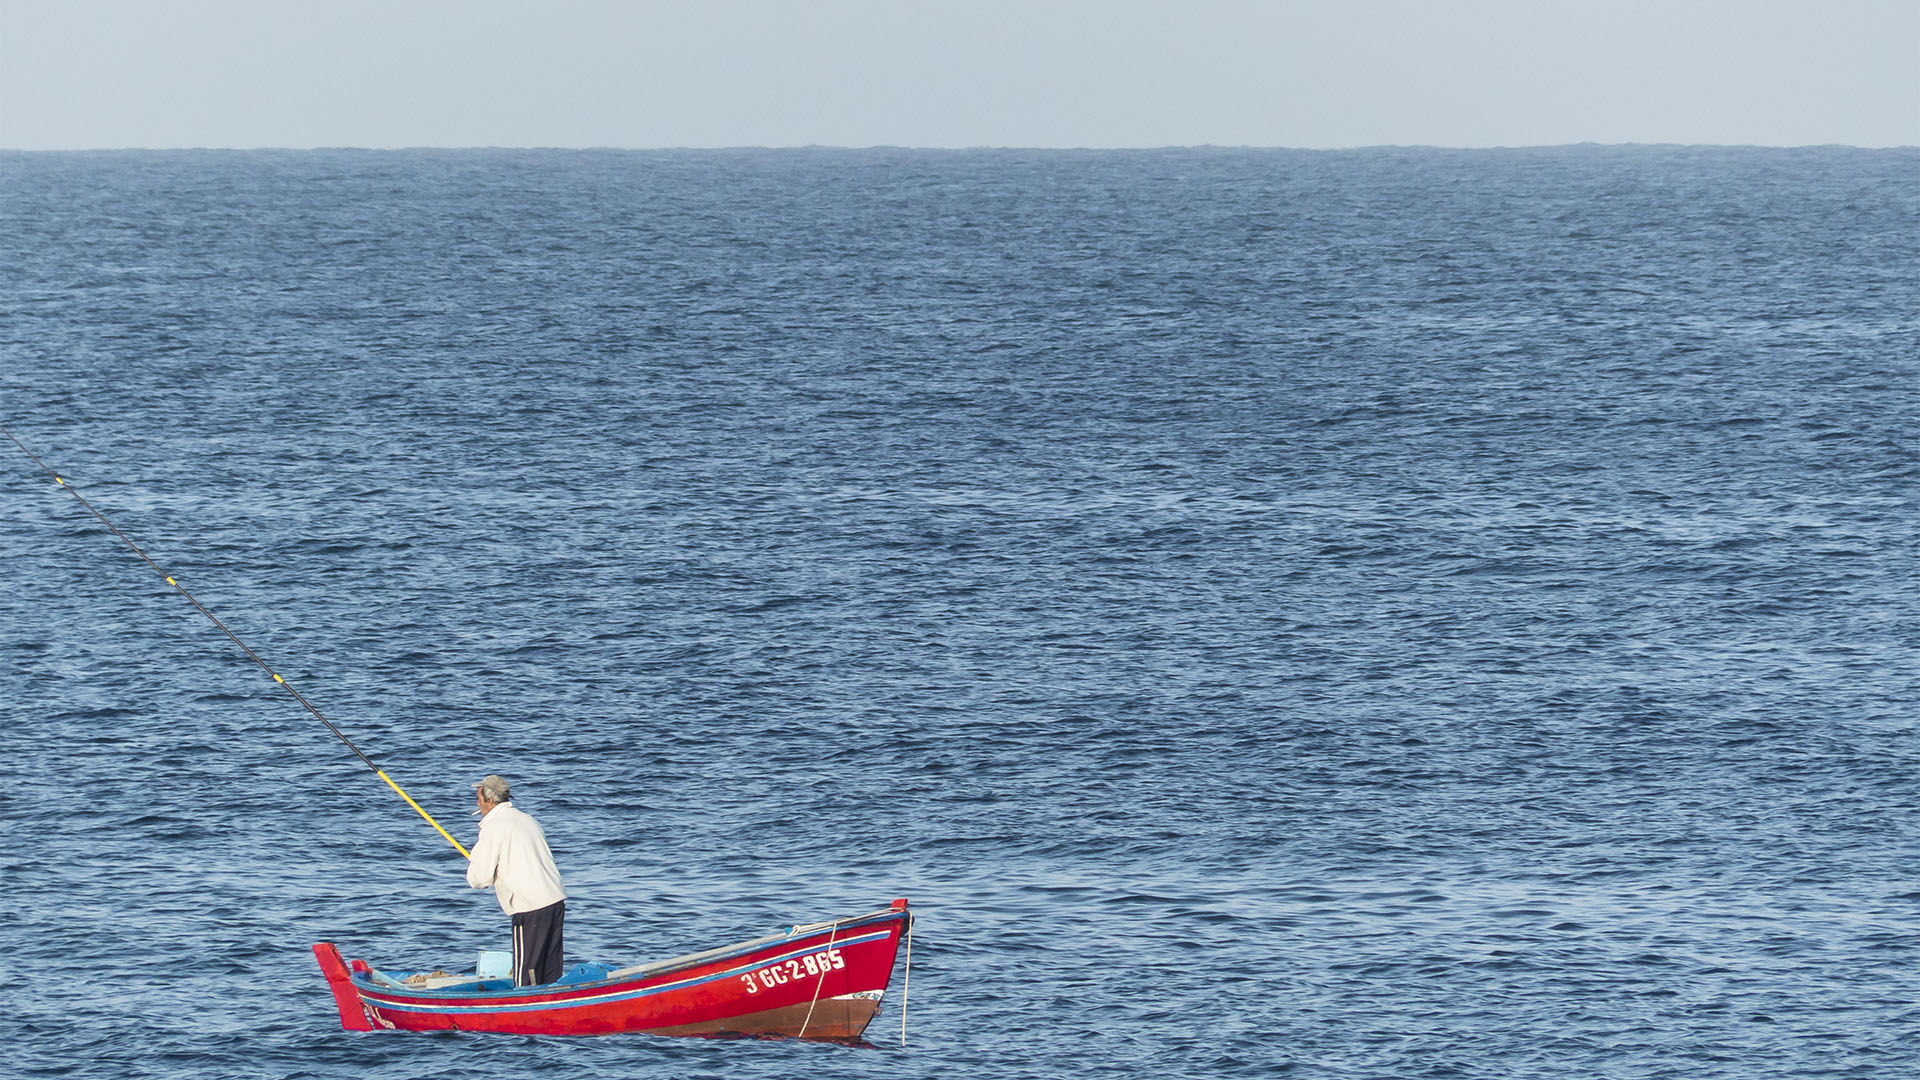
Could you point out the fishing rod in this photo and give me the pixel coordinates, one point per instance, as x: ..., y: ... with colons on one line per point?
x: 297, y: 695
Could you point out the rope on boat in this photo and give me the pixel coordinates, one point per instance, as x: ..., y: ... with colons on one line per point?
x: 906, y: 986
x: 825, y: 963
x: 297, y: 695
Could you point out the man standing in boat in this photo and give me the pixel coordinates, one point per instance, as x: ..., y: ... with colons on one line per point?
x: 511, y: 855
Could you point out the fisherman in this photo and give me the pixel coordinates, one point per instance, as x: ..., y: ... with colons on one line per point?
x: 511, y: 855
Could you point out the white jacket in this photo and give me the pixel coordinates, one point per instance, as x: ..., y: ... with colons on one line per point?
x: 511, y: 855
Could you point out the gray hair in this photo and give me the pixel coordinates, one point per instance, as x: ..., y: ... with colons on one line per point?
x: 494, y: 789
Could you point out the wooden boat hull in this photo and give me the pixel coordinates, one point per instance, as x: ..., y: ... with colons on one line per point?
x: 824, y: 981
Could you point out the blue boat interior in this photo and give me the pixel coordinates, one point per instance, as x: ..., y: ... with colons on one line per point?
x: 577, y: 974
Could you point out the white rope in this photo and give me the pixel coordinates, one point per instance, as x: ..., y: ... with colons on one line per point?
x: 826, y: 961
x: 907, y: 986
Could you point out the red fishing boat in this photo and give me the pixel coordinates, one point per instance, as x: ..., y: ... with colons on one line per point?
x: 823, y: 980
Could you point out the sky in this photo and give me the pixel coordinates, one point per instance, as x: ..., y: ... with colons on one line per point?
x: 87, y: 74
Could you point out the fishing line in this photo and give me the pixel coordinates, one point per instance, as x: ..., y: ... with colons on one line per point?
x: 297, y: 695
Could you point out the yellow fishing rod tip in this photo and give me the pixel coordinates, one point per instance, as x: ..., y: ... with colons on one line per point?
x: 59, y: 481
x: 279, y: 680
x: 173, y: 583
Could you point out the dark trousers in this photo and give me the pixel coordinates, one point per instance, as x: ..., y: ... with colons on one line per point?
x: 536, y: 944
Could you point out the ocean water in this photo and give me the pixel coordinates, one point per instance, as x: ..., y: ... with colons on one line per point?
x: 1376, y: 614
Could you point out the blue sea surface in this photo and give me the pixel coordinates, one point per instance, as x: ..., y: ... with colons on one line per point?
x: 1380, y: 614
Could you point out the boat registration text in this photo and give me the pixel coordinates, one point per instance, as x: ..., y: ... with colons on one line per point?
x: 814, y: 964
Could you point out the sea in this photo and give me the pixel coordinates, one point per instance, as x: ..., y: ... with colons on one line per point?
x: 1388, y: 613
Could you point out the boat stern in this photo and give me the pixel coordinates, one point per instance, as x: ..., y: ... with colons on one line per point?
x: 353, y: 1014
